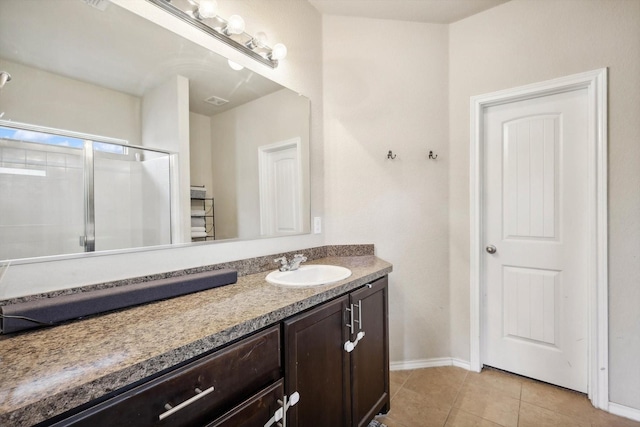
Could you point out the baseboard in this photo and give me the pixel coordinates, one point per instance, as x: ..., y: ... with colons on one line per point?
x: 429, y: 363
x: 624, y: 411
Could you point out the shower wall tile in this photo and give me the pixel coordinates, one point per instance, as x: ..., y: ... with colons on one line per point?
x: 74, y: 160
x: 14, y: 155
x: 56, y: 159
x: 36, y: 158
x: 57, y: 172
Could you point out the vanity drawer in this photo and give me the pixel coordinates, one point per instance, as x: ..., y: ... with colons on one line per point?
x: 235, y: 374
x: 255, y: 411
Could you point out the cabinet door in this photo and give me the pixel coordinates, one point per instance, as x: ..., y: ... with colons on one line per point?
x: 317, y: 366
x: 256, y: 411
x: 370, y: 358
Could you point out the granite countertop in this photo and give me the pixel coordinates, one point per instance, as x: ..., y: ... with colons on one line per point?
x: 49, y: 371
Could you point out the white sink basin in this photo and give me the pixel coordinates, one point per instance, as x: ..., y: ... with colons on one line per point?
x: 309, y: 275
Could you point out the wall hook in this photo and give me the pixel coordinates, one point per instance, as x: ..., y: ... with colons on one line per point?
x: 431, y: 156
x: 390, y: 155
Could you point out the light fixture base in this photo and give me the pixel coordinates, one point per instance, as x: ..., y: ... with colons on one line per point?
x: 168, y: 7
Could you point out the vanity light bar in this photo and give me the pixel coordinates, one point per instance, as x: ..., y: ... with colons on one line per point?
x: 230, y: 32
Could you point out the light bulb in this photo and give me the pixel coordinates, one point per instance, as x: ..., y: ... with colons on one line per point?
x: 279, y: 52
x: 207, y: 9
x: 234, y: 65
x: 235, y: 25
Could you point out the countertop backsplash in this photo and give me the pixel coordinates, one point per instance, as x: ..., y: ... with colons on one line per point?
x: 243, y: 267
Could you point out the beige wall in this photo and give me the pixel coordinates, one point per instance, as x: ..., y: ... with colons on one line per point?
x: 224, y: 185
x: 526, y: 41
x: 385, y: 88
x: 235, y: 136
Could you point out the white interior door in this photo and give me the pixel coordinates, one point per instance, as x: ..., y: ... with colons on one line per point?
x: 535, y: 283
x: 280, y: 189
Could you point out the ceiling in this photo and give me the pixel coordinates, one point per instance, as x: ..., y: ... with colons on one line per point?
x: 431, y: 11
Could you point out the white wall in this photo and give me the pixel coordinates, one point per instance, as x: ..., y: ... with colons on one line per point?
x: 41, y: 98
x: 117, y: 198
x: 165, y: 119
x: 154, y: 192
x: 525, y: 41
x: 293, y: 22
x: 201, y: 171
x: 385, y: 88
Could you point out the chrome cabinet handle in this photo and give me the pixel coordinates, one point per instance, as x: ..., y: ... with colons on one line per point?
x: 349, y: 346
x: 173, y: 409
x: 359, y: 321
x: 350, y: 325
x: 491, y: 249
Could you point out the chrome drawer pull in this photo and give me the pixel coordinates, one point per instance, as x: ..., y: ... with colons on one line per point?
x: 171, y: 410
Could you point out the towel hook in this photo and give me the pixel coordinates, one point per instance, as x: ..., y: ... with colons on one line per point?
x: 431, y: 156
x: 390, y: 155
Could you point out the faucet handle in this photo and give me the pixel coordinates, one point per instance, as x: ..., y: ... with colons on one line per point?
x: 300, y: 256
x: 284, y: 264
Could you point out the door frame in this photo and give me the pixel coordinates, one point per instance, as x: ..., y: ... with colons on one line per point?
x: 597, y: 311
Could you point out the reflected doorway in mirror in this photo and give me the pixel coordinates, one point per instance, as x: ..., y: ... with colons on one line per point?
x: 281, y: 198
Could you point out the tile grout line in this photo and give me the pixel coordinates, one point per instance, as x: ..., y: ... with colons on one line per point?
x: 519, y: 405
x: 402, y: 385
x: 456, y: 398
x: 398, y: 391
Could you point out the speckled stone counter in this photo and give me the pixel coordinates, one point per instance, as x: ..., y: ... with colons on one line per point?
x: 49, y: 371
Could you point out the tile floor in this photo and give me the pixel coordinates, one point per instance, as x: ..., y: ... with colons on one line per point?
x: 454, y: 397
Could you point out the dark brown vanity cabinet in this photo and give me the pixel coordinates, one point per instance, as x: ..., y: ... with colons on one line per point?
x: 236, y: 384
x: 370, y: 357
x: 337, y: 359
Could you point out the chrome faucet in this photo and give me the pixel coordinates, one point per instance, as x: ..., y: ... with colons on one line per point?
x: 292, y: 265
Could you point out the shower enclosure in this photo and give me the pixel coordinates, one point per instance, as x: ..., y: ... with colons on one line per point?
x: 63, y: 193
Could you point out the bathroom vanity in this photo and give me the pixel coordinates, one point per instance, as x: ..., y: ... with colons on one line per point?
x: 341, y: 366
x: 228, y: 356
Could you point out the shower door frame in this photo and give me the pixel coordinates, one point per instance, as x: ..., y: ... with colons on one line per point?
x: 87, y: 241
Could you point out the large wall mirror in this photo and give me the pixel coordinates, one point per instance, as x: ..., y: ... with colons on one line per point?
x: 117, y: 133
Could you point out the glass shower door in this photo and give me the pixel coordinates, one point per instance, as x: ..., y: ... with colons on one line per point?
x: 64, y: 193
x: 41, y: 194
x: 131, y: 197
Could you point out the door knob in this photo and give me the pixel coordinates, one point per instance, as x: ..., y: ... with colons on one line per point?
x: 491, y: 249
